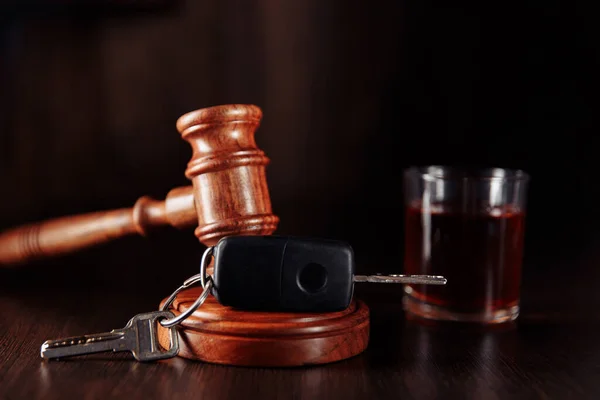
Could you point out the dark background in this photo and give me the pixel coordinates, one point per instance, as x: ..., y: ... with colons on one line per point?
x: 352, y: 93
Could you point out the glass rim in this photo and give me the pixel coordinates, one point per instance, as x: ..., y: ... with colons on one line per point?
x: 428, y: 173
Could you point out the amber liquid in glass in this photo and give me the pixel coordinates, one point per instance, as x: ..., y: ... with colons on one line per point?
x: 479, y: 253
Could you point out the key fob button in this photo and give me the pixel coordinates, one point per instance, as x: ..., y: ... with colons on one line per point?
x: 316, y: 275
x: 312, y: 278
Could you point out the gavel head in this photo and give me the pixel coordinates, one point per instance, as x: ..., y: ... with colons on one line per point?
x: 227, y: 170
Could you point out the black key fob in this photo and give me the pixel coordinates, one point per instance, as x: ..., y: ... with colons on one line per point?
x: 278, y: 273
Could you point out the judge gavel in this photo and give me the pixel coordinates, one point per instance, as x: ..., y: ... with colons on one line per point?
x: 228, y: 196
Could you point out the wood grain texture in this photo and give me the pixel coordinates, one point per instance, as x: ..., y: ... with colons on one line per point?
x: 229, y: 185
x: 68, y: 234
x: 551, y: 353
x: 227, y: 170
x: 223, y: 335
x: 225, y: 156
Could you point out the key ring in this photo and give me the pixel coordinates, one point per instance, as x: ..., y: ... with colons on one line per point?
x: 203, y: 264
x: 207, y: 284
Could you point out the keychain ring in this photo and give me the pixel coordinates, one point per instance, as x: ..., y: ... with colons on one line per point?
x: 207, y: 284
x: 203, y: 264
x: 199, y: 301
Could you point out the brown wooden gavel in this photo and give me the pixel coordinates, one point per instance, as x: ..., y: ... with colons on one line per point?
x: 228, y: 196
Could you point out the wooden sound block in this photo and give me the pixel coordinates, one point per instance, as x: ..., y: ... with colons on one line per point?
x: 223, y: 335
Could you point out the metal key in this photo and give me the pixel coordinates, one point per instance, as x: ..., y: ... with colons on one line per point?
x: 279, y: 273
x: 406, y: 279
x: 139, y: 337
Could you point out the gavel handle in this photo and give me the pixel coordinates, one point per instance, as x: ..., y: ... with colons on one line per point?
x: 68, y: 234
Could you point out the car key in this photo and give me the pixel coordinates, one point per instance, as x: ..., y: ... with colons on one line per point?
x: 266, y: 273
x: 139, y: 337
x: 277, y: 273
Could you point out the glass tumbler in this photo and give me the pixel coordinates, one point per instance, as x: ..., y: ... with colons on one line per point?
x: 467, y: 225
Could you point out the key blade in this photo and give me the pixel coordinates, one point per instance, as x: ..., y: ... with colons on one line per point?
x: 140, y: 337
x: 406, y: 279
x: 80, y: 345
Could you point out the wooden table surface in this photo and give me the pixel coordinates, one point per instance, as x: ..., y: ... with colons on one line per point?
x: 553, y: 352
